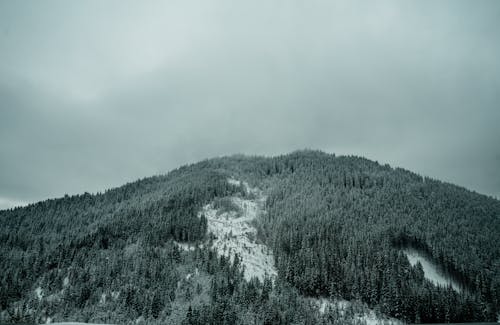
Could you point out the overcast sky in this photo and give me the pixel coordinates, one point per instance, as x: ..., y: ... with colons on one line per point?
x: 97, y: 93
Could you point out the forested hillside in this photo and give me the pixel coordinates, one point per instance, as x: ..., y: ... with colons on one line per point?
x: 336, y: 227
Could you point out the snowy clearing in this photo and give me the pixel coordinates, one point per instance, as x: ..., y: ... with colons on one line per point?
x: 233, y: 181
x: 39, y: 293
x: 188, y: 247
x: 364, y: 315
x: 430, y: 271
x: 235, y: 234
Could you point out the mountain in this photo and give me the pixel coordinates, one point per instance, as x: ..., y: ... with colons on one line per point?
x: 307, y: 237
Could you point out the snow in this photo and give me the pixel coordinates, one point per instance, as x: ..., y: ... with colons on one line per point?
x: 235, y: 234
x: 233, y: 181
x: 186, y: 246
x: 372, y: 319
x: 365, y: 315
x: 430, y: 271
x: 39, y: 293
x: 324, y: 304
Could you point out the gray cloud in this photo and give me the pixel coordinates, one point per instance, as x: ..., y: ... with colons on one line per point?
x: 95, y: 94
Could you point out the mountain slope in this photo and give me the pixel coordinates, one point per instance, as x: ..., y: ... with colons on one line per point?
x: 337, y: 227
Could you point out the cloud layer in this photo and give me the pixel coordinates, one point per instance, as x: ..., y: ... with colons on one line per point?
x: 94, y: 94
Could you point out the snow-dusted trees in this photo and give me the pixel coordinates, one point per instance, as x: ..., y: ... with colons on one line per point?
x: 336, y: 226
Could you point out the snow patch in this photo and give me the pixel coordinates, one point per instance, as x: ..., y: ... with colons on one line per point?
x: 188, y: 247
x: 372, y: 319
x: 324, y: 304
x: 363, y: 316
x: 39, y: 293
x: 233, y: 181
x: 234, y: 233
x: 66, y: 281
x: 430, y: 271
x: 102, y: 300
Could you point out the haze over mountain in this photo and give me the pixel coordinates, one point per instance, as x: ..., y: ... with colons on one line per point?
x: 94, y: 94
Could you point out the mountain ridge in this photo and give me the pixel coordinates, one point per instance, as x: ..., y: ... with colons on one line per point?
x: 336, y: 226
x: 248, y: 156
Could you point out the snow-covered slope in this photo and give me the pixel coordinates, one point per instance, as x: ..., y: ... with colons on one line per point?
x: 359, y: 312
x: 234, y: 232
x: 430, y: 271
